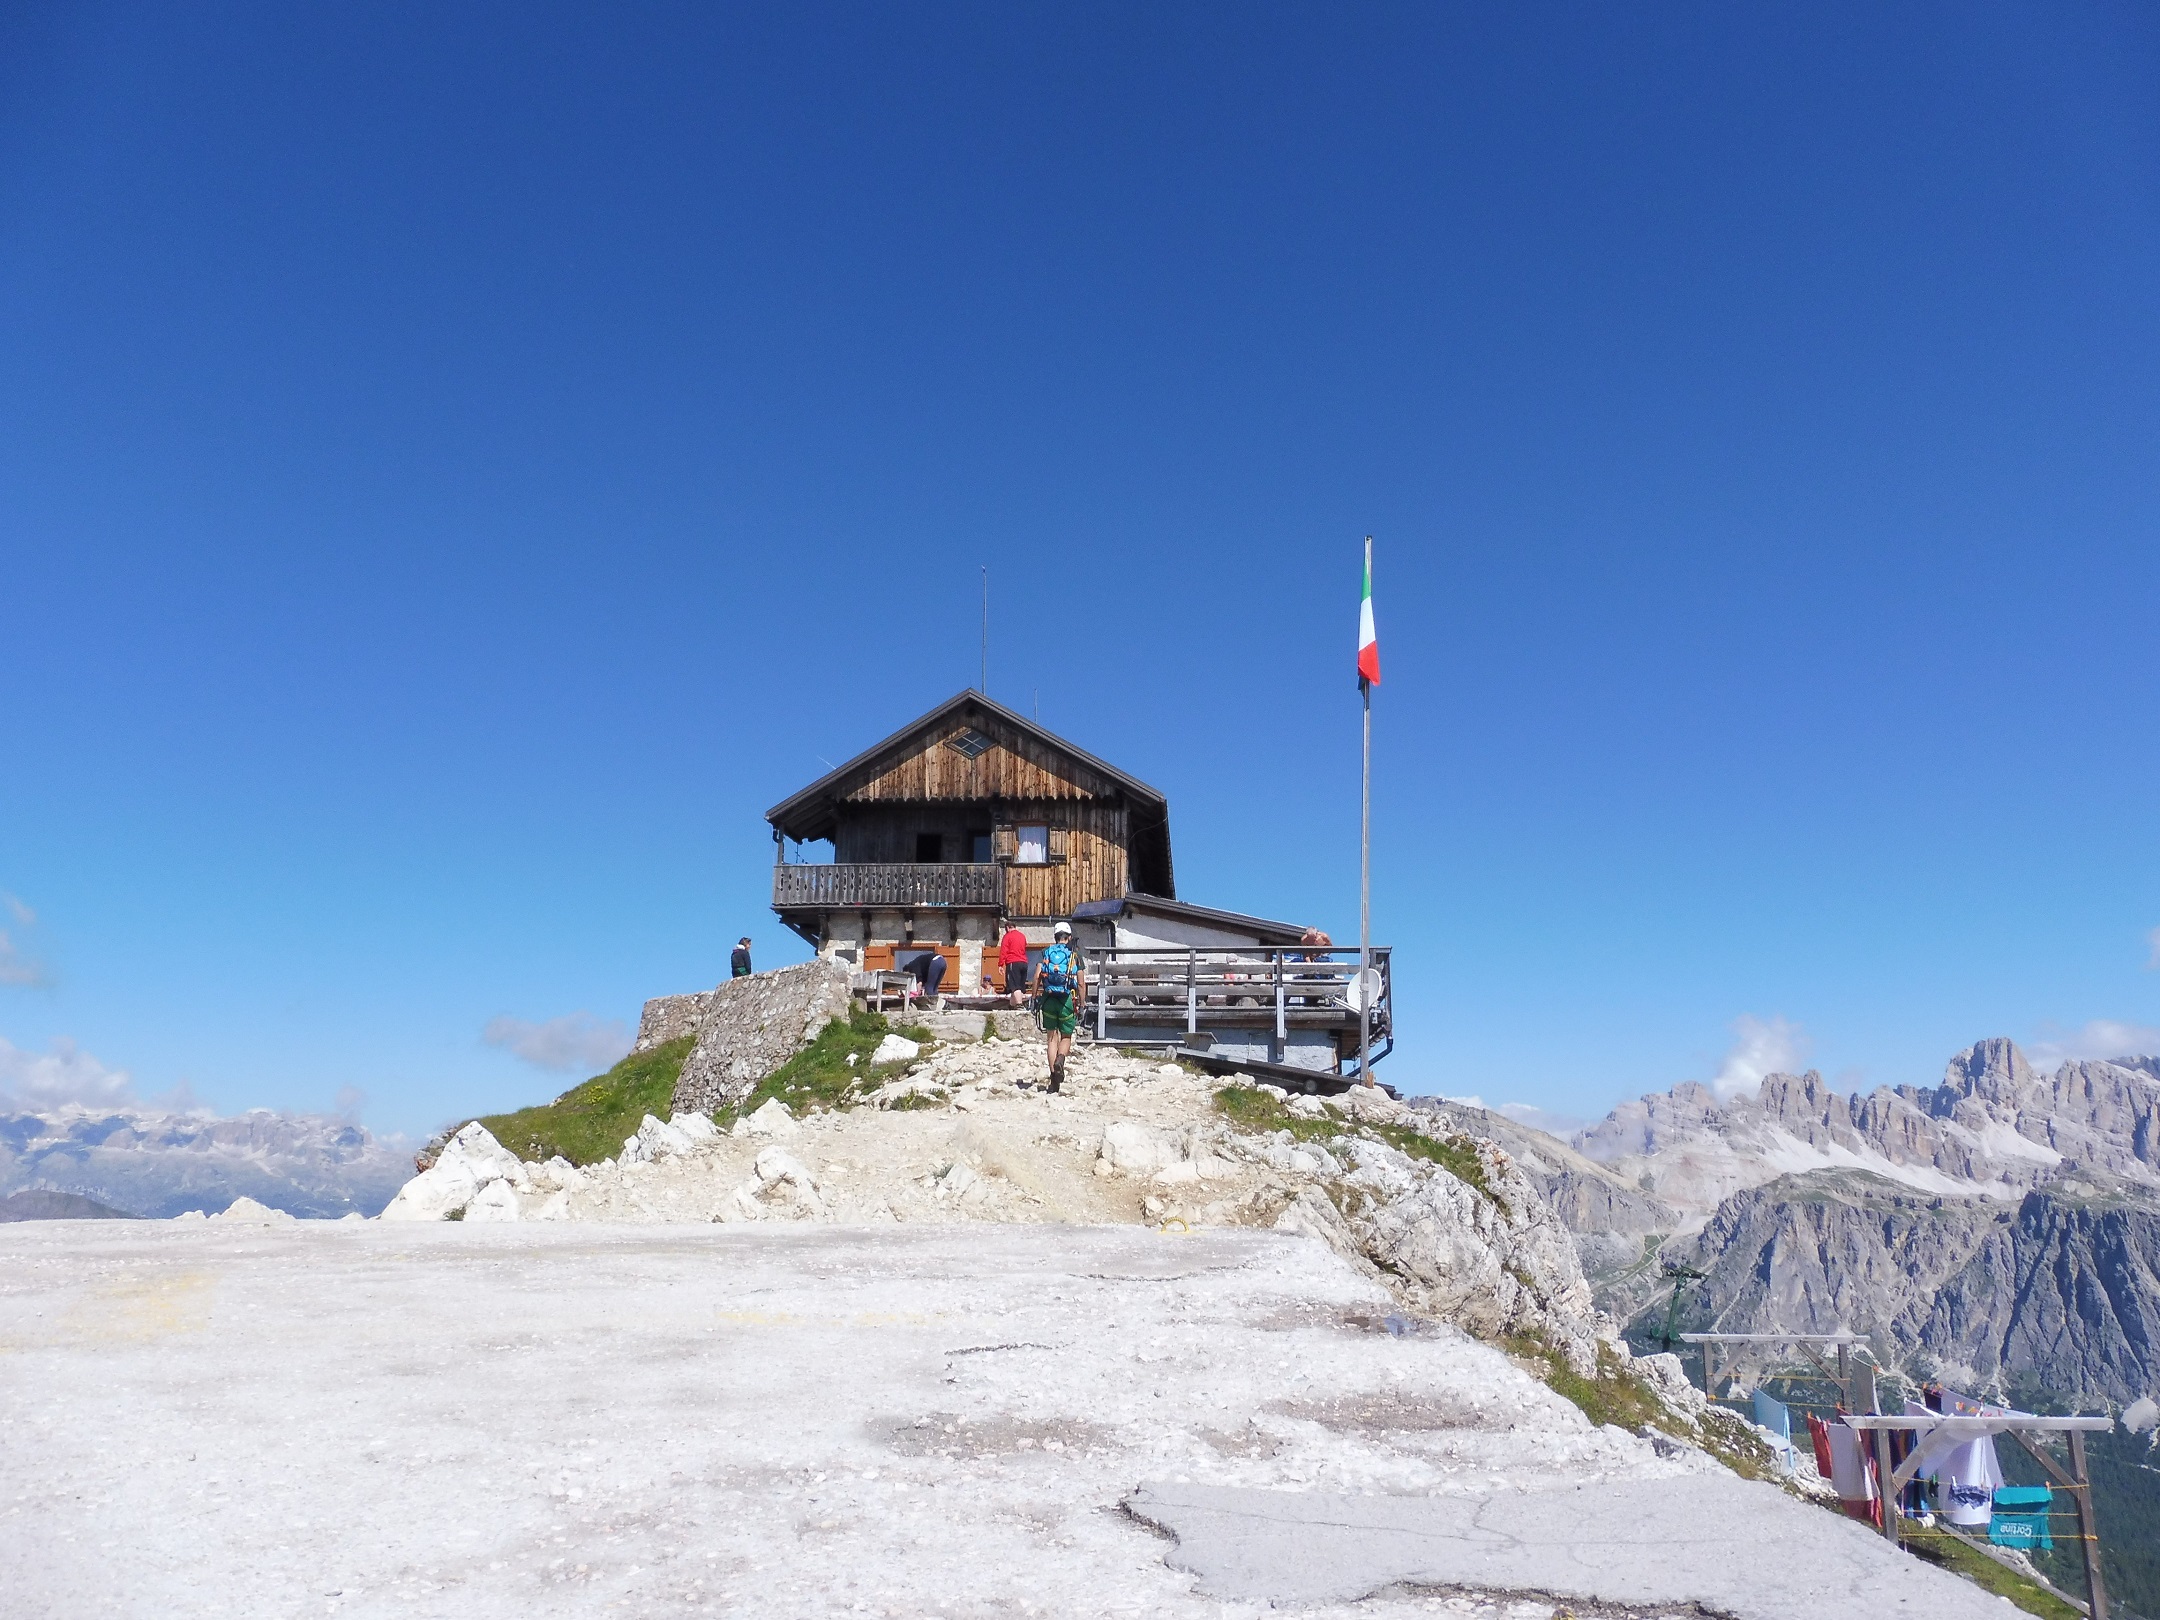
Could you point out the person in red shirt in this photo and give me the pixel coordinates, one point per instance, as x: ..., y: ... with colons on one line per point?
x: 1012, y: 960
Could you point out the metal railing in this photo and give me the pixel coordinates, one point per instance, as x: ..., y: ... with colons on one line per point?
x: 888, y: 883
x: 1301, y: 987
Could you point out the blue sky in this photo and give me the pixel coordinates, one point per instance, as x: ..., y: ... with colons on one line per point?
x: 460, y: 465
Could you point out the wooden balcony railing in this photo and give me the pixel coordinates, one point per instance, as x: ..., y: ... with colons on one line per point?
x: 888, y: 883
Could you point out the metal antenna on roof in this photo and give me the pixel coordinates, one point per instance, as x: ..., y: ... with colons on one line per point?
x: 985, y: 687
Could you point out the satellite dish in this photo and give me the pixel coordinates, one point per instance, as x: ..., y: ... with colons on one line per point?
x: 1363, y: 989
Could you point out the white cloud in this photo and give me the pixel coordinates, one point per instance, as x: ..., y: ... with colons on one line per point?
x: 66, y: 1074
x: 17, y: 965
x: 2102, y: 1038
x: 1759, y: 1049
x: 1542, y: 1119
x: 575, y: 1041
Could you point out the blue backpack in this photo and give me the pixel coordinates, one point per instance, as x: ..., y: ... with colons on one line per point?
x: 1058, y: 971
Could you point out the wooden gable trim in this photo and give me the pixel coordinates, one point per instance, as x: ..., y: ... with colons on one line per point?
x: 1011, y: 768
x: 809, y: 813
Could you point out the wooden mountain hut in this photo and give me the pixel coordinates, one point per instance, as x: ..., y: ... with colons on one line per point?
x: 970, y: 814
x: 973, y: 817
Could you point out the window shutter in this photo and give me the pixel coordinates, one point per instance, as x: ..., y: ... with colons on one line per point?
x: 1057, y: 845
x: 1003, y: 844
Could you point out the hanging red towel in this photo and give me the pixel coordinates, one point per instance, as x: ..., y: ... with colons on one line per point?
x: 1819, y: 1433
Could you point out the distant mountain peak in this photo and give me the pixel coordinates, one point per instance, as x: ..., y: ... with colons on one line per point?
x: 156, y: 1162
x: 1993, y: 1127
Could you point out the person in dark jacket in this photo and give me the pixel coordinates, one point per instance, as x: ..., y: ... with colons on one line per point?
x: 739, y: 962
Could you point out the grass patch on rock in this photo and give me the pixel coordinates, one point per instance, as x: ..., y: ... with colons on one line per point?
x: 1262, y: 1112
x: 1617, y: 1395
x: 1948, y: 1552
x: 1613, y: 1396
x: 588, y: 1122
x: 820, y: 1075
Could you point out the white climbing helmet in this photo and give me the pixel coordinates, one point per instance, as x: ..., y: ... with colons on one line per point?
x: 1061, y: 931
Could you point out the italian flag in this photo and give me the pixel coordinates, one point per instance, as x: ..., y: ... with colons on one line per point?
x: 1368, y: 644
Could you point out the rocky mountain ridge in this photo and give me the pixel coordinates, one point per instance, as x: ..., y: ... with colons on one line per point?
x: 2000, y: 1229
x: 1993, y: 1128
x: 2059, y: 1290
x: 159, y: 1164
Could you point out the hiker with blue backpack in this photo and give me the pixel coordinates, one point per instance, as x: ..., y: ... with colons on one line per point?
x: 1060, y: 991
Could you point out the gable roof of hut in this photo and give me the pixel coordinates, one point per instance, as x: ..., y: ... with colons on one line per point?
x: 813, y: 812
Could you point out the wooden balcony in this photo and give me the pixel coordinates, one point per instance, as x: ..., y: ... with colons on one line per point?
x: 901, y: 884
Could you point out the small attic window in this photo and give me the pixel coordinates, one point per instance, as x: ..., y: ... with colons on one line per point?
x: 968, y: 744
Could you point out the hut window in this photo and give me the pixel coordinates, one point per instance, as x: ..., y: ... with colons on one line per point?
x: 979, y: 848
x: 968, y: 744
x: 929, y: 848
x: 1034, y: 846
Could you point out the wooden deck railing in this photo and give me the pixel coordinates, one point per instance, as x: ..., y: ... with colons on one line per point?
x: 888, y: 883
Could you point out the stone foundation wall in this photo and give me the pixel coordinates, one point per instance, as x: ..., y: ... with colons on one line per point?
x: 750, y: 1027
x: 669, y: 1018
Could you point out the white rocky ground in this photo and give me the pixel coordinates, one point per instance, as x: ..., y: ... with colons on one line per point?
x: 967, y: 1135
x: 267, y: 1417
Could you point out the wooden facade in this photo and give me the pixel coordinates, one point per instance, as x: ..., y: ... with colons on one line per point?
x: 971, y: 816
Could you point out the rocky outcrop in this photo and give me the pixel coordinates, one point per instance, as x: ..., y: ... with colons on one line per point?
x: 1589, y: 1199
x: 963, y: 1133
x: 2059, y: 1290
x: 748, y: 1027
x: 1487, y: 1254
x: 474, y: 1177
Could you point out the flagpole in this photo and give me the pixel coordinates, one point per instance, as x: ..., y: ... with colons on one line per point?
x: 1365, y: 876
